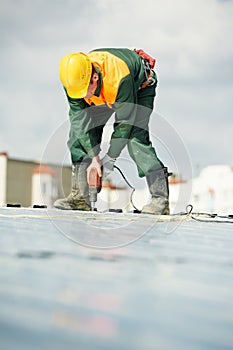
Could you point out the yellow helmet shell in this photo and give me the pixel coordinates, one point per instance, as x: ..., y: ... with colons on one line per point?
x: 75, y: 74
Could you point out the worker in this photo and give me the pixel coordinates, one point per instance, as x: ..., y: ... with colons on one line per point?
x: 98, y: 84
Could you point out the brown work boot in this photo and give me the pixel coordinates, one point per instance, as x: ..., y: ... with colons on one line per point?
x: 73, y: 202
x: 158, y: 185
x: 78, y: 199
x: 156, y: 207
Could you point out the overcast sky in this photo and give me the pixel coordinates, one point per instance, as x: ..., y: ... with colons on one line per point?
x: 191, y: 40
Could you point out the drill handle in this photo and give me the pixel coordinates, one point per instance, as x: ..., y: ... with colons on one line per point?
x: 94, y: 180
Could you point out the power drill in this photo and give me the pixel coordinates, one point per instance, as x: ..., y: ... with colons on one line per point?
x: 95, y: 184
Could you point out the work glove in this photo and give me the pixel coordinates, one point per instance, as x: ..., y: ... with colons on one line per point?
x: 108, y: 165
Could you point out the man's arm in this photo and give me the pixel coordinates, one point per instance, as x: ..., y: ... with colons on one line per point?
x: 82, y: 137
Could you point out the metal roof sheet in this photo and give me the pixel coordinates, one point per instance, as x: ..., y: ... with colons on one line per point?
x: 170, y: 288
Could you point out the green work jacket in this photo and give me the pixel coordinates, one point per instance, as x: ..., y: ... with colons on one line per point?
x: 121, y: 74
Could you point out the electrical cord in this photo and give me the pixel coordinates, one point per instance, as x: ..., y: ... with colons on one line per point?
x: 133, y: 188
x: 207, y: 217
x: 189, y: 207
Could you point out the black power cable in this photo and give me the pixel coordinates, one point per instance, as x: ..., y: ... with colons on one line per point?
x: 208, y: 217
x: 133, y: 188
x: 189, y: 208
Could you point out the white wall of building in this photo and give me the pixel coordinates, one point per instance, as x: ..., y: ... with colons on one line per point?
x: 44, y: 189
x: 179, y: 196
x: 113, y: 199
x: 213, y: 190
x: 3, y: 178
x: 120, y: 199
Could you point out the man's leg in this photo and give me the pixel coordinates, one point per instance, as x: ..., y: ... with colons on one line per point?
x: 143, y: 153
x: 78, y: 199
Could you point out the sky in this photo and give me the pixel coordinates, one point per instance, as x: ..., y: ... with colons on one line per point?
x: 191, y: 40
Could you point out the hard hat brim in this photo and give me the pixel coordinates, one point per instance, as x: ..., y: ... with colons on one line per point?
x: 77, y: 94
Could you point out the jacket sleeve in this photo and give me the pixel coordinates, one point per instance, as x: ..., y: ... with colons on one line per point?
x: 82, y: 138
x: 125, y: 109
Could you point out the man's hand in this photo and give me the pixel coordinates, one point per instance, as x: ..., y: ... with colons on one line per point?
x: 96, y: 163
x: 108, y: 165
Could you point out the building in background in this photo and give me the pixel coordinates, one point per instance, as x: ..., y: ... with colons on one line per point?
x: 179, y: 193
x: 113, y: 196
x: 45, y: 188
x: 212, y: 191
x: 3, y: 177
x: 31, y: 183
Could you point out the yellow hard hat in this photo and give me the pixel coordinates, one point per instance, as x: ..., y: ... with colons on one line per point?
x: 75, y: 74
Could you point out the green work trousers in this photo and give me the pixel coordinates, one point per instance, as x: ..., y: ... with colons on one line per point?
x: 139, y: 145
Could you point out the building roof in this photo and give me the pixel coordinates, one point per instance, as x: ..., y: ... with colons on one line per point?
x: 44, y: 169
x: 168, y: 285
